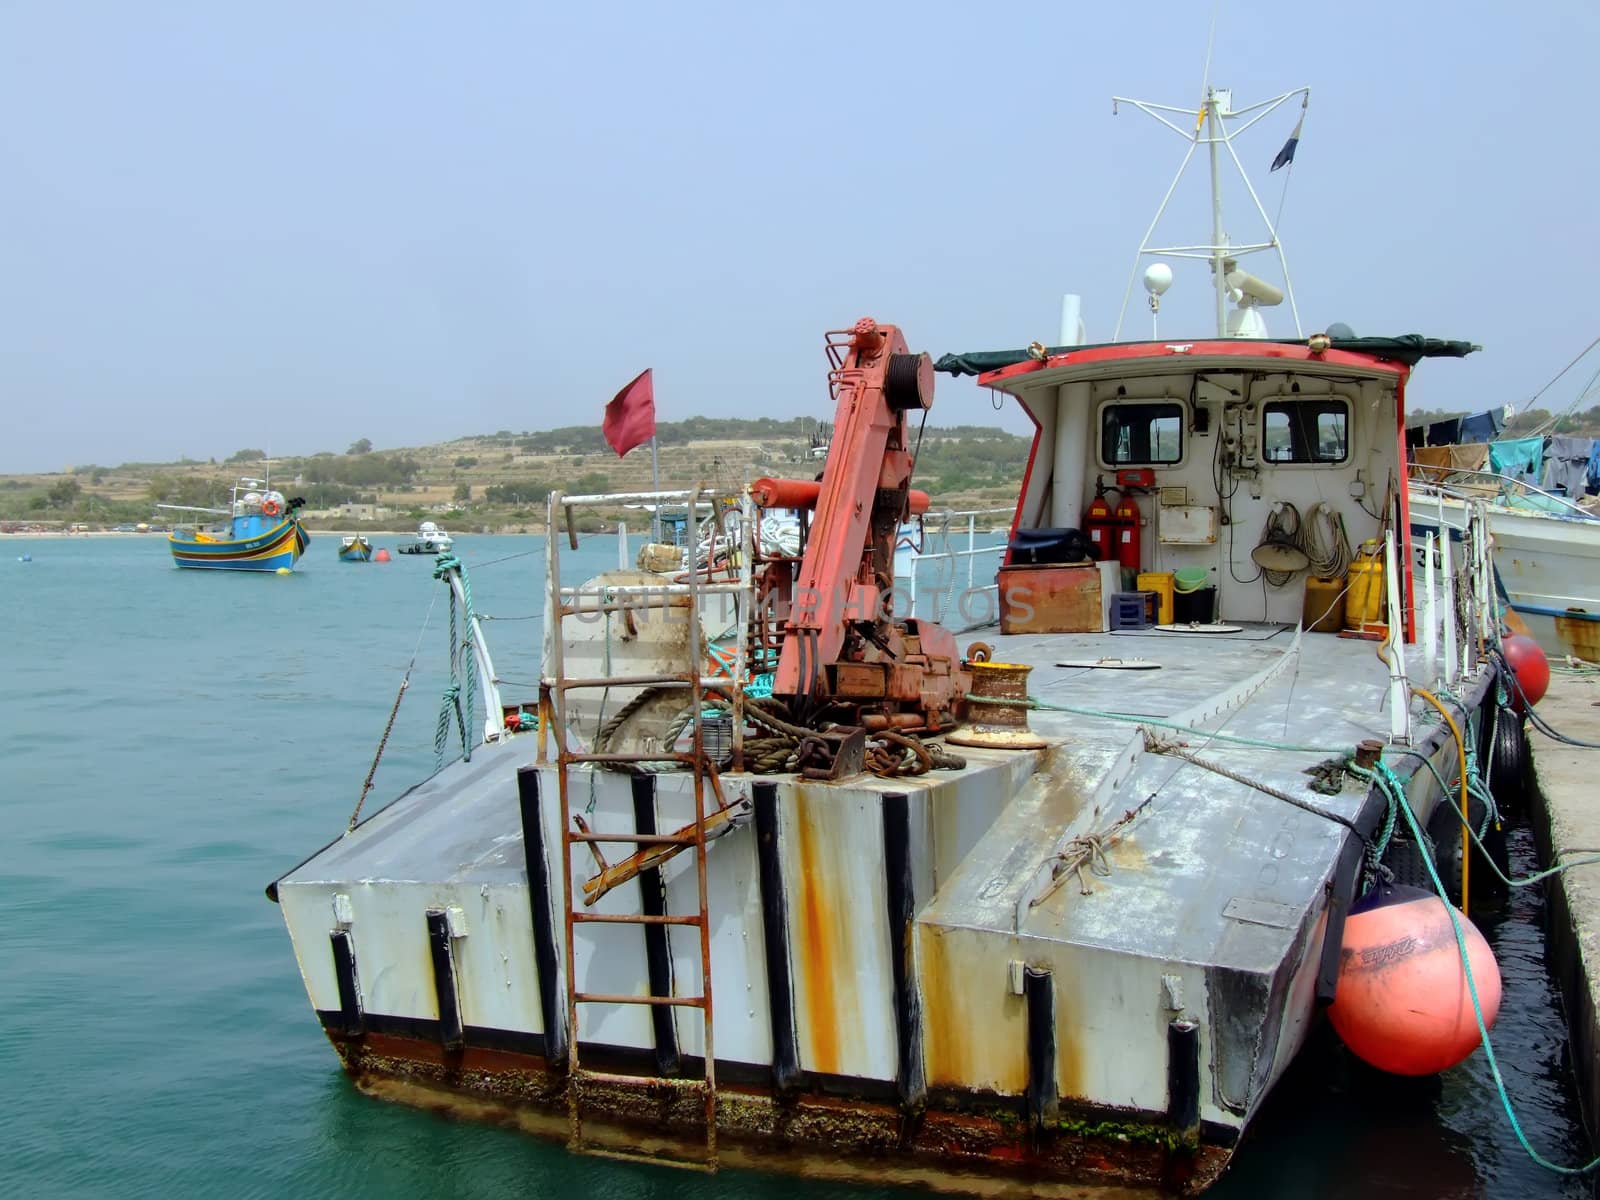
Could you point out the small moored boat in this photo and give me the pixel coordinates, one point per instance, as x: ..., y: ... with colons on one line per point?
x: 355, y: 548
x: 259, y: 531
x: 430, y: 539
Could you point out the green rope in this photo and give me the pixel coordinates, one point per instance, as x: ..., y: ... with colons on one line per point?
x: 460, y: 692
x: 1042, y: 706
x: 1538, y: 877
x: 441, y: 733
x: 1381, y: 843
x: 1385, y: 778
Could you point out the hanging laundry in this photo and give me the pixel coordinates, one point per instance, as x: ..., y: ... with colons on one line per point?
x: 1566, y: 465
x: 1520, y: 458
x: 1431, y: 463
x: 1482, y: 427
x: 1446, y: 432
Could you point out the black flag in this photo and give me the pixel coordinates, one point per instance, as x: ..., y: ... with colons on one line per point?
x: 1286, y: 155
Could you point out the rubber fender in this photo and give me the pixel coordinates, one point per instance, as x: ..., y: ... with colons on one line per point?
x: 1444, y: 827
x: 1406, y: 861
x: 1508, y: 774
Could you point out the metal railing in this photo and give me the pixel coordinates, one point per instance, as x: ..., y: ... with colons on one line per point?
x: 1451, y: 484
x: 948, y: 561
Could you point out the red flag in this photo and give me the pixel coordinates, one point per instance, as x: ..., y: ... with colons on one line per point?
x: 631, y: 416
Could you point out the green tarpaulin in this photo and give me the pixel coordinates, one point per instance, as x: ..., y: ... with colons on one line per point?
x: 1408, y: 348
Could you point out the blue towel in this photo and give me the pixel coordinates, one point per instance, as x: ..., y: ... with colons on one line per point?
x: 1519, y: 458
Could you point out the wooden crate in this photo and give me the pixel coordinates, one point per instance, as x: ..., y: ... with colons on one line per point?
x: 1051, y: 599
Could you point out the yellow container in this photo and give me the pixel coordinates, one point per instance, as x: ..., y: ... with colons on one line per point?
x: 1159, y: 582
x: 1324, y: 605
x: 1365, y: 604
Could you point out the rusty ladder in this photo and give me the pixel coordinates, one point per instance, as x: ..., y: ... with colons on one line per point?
x: 577, y: 1074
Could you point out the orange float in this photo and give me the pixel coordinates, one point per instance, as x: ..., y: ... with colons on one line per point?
x: 1402, y: 1003
x: 1530, y: 666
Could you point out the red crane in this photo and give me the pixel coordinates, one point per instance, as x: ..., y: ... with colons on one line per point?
x: 843, y: 648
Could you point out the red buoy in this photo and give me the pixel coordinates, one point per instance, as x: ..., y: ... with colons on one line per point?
x: 381, y: 556
x: 1530, y: 666
x: 1402, y: 1002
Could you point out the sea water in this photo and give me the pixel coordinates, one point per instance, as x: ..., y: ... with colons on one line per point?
x: 171, y: 741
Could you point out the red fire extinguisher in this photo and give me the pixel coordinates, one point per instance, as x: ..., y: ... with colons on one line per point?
x: 1126, y: 521
x: 1098, y: 525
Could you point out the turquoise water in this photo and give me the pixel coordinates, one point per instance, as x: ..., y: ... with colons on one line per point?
x: 173, y: 740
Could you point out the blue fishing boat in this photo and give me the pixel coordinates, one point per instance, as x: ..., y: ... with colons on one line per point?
x: 355, y: 548
x: 259, y: 531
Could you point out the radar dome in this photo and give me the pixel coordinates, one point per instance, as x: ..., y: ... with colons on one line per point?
x: 1157, y: 278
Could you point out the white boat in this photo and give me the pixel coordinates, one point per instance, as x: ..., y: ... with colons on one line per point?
x: 430, y: 539
x: 889, y: 926
x: 1546, y: 552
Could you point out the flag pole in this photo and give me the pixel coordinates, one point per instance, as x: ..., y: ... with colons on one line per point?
x: 655, y: 486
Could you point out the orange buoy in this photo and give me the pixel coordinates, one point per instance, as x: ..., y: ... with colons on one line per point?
x: 1530, y: 666
x: 382, y: 555
x: 1402, y: 1003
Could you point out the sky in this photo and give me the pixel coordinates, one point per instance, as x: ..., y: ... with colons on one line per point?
x: 294, y: 225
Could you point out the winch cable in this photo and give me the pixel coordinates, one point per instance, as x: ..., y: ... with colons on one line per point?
x: 1386, y: 779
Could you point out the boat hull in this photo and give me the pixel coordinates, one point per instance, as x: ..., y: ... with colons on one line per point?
x: 948, y: 1147
x: 275, y: 548
x: 359, y: 551
x: 870, y: 1015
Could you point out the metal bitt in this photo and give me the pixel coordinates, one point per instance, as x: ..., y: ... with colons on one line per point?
x: 997, y: 709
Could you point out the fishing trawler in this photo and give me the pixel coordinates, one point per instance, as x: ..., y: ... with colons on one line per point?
x: 815, y: 884
x: 260, y: 530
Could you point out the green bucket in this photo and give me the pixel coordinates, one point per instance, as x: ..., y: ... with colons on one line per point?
x: 1189, y: 579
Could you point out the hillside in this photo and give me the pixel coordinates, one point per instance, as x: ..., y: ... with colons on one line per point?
x: 498, y: 482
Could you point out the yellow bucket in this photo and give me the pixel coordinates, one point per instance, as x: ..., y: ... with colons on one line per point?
x: 1366, y: 602
x: 1161, y: 583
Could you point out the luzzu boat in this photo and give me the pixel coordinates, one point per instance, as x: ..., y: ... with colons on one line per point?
x: 355, y: 548
x: 261, y: 531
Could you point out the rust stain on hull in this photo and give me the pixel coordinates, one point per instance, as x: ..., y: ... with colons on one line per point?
x: 972, y: 1037
x: 822, y: 934
x: 1579, y: 637
x: 966, y: 1149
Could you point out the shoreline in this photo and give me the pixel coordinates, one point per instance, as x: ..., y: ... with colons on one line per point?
x: 54, y: 534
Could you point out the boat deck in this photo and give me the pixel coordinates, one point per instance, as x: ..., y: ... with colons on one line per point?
x: 463, y: 823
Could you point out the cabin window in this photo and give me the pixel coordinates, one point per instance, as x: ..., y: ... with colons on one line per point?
x: 1305, y: 431
x: 1141, y: 434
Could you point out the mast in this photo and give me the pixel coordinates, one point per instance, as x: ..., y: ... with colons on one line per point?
x: 1219, y: 276
x: 1207, y: 125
